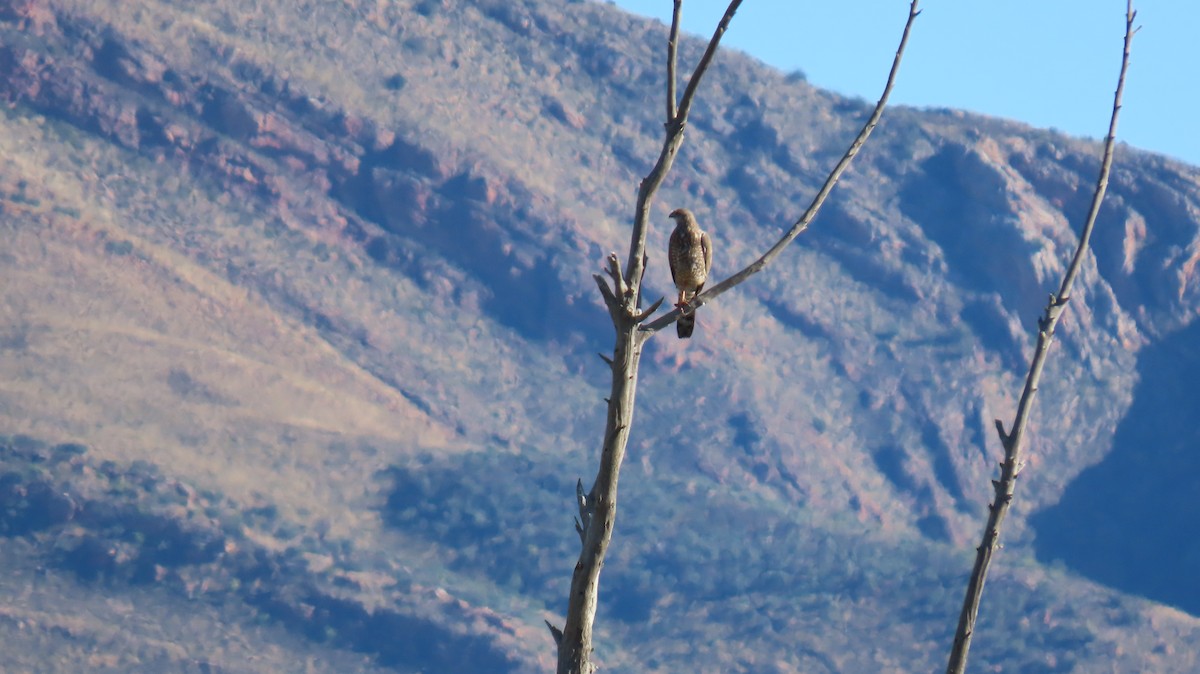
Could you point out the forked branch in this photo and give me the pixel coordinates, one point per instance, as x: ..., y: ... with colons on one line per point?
x: 598, y: 507
x: 1011, y: 440
x: 802, y: 224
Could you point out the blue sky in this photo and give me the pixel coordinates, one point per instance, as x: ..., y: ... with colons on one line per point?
x: 1050, y: 63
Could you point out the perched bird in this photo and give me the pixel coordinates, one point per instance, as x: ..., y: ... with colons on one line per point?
x: 690, y: 257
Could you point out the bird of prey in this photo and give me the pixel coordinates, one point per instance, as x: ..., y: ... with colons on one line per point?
x: 690, y: 257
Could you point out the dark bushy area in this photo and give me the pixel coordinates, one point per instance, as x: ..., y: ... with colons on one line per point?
x: 1127, y: 521
x: 777, y: 573
x: 501, y: 525
x: 106, y: 524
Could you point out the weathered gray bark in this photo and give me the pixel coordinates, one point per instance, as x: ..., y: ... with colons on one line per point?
x: 1010, y: 468
x: 598, y: 507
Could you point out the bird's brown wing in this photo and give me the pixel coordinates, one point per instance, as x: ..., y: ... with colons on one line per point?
x: 672, y: 253
x: 706, y: 246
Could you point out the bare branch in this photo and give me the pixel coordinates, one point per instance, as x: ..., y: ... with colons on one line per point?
x: 1011, y: 466
x: 672, y: 52
x: 1064, y: 290
x: 802, y: 224
x: 685, y: 104
x: 674, y: 138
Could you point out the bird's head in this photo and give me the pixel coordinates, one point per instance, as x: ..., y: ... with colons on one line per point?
x: 682, y: 216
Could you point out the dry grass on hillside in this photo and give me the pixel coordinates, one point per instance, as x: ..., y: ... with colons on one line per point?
x: 143, y: 354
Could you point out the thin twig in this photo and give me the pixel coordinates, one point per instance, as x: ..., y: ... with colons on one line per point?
x: 802, y: 224
x: 672, y: 52
x: 685, y: 103
x: 1011, y: 467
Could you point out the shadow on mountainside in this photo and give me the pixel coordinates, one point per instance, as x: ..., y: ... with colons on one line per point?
x: 1126, y: 522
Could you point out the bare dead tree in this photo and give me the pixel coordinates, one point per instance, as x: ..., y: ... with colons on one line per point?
x: 598, y: 506
x: 1011, y: 467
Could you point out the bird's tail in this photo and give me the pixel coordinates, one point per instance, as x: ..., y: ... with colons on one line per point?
x: 685, y: 325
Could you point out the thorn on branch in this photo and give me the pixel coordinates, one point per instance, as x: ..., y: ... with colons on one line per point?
x: 556, y: 633
x: 585, y: 515
x: 610, y: 299
x: 1005, y: 438
x: 649, y: 311
x: 1053, y: 308
x: 606, y: 359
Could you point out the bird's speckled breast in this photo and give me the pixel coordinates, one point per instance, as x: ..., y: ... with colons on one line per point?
x: 689, y: 263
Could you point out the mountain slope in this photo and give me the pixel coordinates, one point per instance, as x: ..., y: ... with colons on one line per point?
x: 327, y: 264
